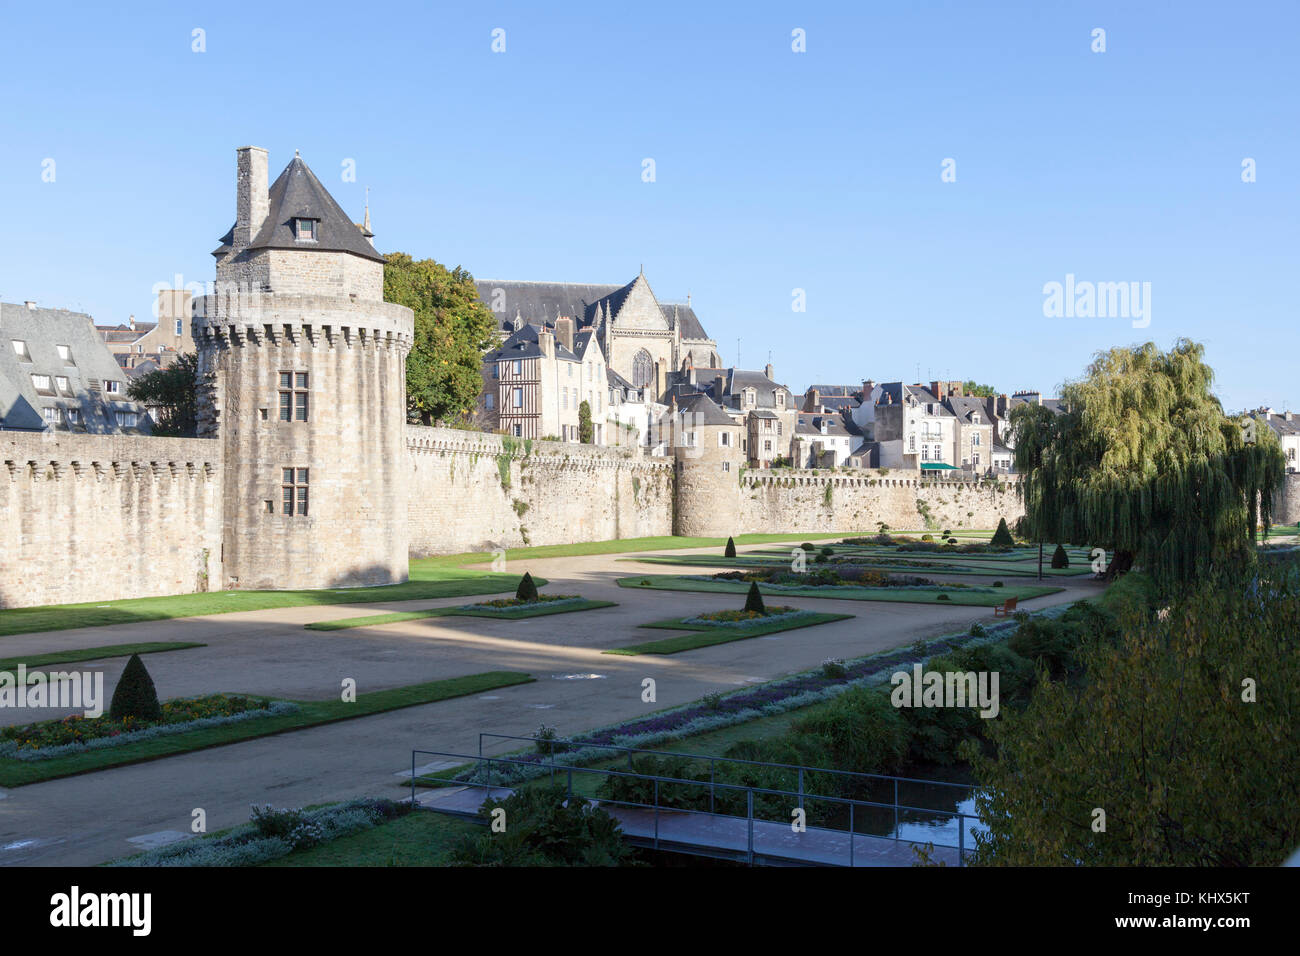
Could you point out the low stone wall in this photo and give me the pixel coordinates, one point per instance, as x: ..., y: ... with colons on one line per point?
x: 99, y: 518
x: 860, y: 500
x: 472, y: 491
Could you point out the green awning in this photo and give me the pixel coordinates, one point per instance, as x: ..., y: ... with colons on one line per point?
x: 937, y: 466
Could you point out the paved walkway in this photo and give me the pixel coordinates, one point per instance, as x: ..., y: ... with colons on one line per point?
x: 91, y: 818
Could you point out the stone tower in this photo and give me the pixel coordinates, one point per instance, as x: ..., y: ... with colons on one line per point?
x: 706, y: 446
x: 303, y: 370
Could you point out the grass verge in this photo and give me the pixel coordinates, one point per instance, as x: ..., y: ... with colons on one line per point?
x: 959, y: 597
x: 94, y: 653
x: 313, y: 713
x: 426, y: 582
x: 508, y: 614
x: 704, y: 636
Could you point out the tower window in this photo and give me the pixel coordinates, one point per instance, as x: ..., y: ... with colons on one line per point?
x: 293, y: 396
x: 293, y: 489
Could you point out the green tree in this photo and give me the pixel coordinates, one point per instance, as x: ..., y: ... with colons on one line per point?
x: 1181, y: 731
x: 1144, y: 463
x: 527, y: 590
x: 730, y: 550
x: 754, y: 599
x: 1002, y: 536
x: 586, y: 433
x: 135, y: 695
x: 980, y: 391
x: 1059, y: 558
x: 171, y: 395
x: 453, y: 328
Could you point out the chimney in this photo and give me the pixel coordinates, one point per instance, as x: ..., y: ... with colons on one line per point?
x: 868, y: 386
x: 546, y: 342
x: 130, y: 322
x: 1286, y: 415
x: 939, y: 389
x: 252, y: 204
x: 564, y: 331
x: 717, y: 389
x: 30, y: 304
x: 767, y: 370
x: 813, y: 401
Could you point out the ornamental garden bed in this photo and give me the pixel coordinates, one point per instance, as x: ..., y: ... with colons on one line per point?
x: 508, y: 609
x: 935, y: 593
x: 706, y: 634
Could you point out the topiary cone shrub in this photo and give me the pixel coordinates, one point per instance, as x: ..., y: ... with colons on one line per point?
x: 754, y: 599
x: 527, y: 591
x: 135, y: 696
x: 1002, y: 536
x: 730, y: 552
x: 1060, y: 559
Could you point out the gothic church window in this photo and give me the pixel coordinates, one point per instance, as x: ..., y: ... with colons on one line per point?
x: 643, y: 369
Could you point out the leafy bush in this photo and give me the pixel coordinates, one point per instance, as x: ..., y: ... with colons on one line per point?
x: 754, y: 599
x: 834, y: 667
x: 826, y: 552
x: 998, y: 584
x: 527, y: 591
x: 1003, y: 535
x: 730, y: 550
x: 135, y: 695
x: 1059, y: 558
x: 860, y: 731
x: 942, y: 597
x: 544, y: 740
x: 927, y: 537
x: 808, y: 546
x: 545, y: 828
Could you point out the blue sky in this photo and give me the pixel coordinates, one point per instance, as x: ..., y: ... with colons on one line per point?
x: 774, y: 170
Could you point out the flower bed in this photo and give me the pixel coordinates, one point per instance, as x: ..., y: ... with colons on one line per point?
x: 740, y: 706
x: 272, y: 834
x: 74, y: 734
x: 744, y: 618
x: 511, y: 604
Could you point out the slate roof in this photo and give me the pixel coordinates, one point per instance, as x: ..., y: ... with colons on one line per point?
x: 43, y: 330
x: 704, y: 408
x: 298, y: 194
x: 736, y: 380
x: 965, y: 406
x: 898, y: 392
x: 1283, y: 428
x: 811, y: 425
x: 585, y: 303
x: 524, y: 344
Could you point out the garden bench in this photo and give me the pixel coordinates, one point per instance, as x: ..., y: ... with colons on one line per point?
x: 1008, y: 606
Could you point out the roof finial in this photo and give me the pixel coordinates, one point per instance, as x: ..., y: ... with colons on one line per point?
x: 297, y: 155
x: 367, y: 219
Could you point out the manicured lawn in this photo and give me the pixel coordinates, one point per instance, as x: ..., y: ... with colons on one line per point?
x: 705, y: 636
x: 313, y: 713
x: 426, y: 582
x: 421, y: 838
x: 508, y: 614
x: 966, y: 597
x: 883, y: 559
x: 94, y: 653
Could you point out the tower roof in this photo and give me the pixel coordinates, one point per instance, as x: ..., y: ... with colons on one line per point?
x: 298, y: 194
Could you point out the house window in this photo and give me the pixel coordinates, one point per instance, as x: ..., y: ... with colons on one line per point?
x: 74, y: 416
x: 489, y: 402
x: 293, y: 491
x: 20, y: 349
x: 767, y: 444
x: 61, y: 381
x: 975, y: 441
x: 780, y: 399
x: 65, y: 355
x: 517, y: 398
x: 179, y: 332
x: 293, y: 396
x: 519, y: 367
x: 564, y: 398
x: 305, y: 230
x: 519, y: 431
x: 52, y: 416
x: 724, y: 439
x: 690, y: 439
x: 778, y: 428
x: 126, y: 419
x: 43, y: 384
x: 112, y: 388
x: 726, y: 466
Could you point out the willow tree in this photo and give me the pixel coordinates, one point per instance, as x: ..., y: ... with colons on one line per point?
x: 1142, y: 461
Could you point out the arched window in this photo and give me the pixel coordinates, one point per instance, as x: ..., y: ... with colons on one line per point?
x: 643, y: 369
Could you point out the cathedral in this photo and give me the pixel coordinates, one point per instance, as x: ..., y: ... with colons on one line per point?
x: 643, y: 340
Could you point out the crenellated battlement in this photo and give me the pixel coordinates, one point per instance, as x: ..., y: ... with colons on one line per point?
x: 230, y: 320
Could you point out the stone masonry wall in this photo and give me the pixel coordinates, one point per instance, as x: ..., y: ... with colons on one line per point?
x: 471, y: 491
x: 1286, y: 505
x: 100, y: 518
x: 859, y: 500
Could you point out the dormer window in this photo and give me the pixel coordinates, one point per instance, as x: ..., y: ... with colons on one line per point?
x: 304, y: 230
x: 65, y: 354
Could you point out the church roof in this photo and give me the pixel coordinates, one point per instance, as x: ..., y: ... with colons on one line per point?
x: 298, y: 194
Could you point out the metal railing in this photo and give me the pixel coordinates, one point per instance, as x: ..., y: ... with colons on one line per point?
x: 552, y: 768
